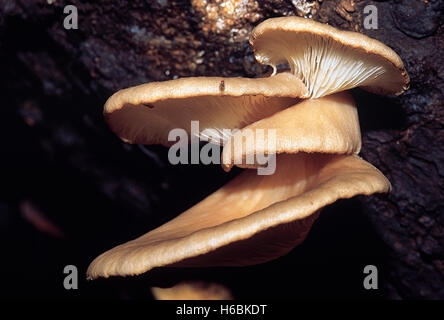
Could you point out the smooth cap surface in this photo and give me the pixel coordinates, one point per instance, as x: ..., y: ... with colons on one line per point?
x: 146, y: 114
x: 250, y: 220
x: 324, y: 125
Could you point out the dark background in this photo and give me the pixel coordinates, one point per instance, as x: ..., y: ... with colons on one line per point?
x: 71, y: 190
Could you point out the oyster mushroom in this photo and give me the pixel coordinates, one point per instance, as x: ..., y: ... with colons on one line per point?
x: 250, y: 220
x: 325, y: 125
x: 256, y: 218
x: 327, y: 59
x: 145, y: 114
x: 323, y: 60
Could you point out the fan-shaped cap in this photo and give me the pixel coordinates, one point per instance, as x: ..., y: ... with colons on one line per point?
x: 324, y: 125
x: 146, y: 114
x: 250, y: 220
x: 328, y: 60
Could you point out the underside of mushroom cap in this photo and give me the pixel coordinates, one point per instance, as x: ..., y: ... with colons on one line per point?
x: 325, y: 125
x: 329, y: 60
x: 146, y: 114
x: 250, y: 220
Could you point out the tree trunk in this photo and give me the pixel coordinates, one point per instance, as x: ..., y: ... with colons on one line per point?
x: 60, y: 159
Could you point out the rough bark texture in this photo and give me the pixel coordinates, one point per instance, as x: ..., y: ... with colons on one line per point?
x: 61, y: 165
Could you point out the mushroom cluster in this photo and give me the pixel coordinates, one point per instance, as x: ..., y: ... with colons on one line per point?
x: 257, y: 218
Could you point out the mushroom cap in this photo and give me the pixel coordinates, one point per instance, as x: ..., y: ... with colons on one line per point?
x: 250, y: 220
x: 145, y: 114
x: 325, y: 125
x: 193, y: 290
x: 327, y: 59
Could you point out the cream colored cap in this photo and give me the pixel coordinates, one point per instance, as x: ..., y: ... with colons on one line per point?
x: 325, y: 125
x: 193, y: 290
x: 329, y: 60
x: 146, y: 114
x: 250, y: 220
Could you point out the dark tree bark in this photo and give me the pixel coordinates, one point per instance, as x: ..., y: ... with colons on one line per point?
x: 59, y: 155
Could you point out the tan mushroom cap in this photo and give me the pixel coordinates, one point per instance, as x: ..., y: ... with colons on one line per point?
x: 250, y: 220
x: 146, y: 114
x: 193, y: 290
x: 327, y: 59
x: 325, y: 125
